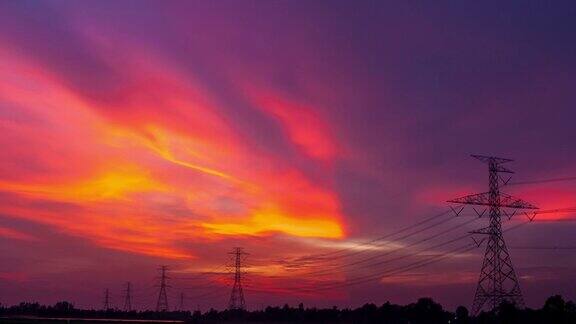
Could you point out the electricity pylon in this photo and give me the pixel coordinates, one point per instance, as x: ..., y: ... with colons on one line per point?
x: 128, y: 297
x: 181, y: 306
x: 162, y: 303
x: 106, y: 300
x: 237, y: 301
x: 498, y: 281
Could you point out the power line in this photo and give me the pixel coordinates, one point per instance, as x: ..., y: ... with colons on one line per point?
x: 438, y: 245
x: 397, y: 239
x: 378, y: 256
x: 401, y: 269
x: 543, y: 247
x: 558, y: 210
x: 562, y: 179
x: 401, y: 257
x: 378, y: 245
x: 355, y: 281
x: 207, y: 283
x: 354, y: 247
x: 217, y: 271
x: 417, y: 264
x: 377, y: 276
x: 210, y: 285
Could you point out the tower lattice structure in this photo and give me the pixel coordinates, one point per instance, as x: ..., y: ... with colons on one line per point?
x: 128, y: 297
x: 106, y: 305
x: 237, y: 301
x: 181, y: 305
x: 162, y: 303
x: 498, y: 281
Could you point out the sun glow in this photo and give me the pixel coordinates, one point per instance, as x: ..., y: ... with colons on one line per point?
x: 112, y: 184
x: 266, y: 221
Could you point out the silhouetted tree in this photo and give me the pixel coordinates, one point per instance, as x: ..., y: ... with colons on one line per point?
x: 508, y: 313
x: 462, y: 315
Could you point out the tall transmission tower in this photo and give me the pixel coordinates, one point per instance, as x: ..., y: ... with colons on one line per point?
x: 106, y: 300
x: 181, y: 305
x: 237, y: 301
x: 128, y: 297
x: 498, y: 281
x: 162, y: 303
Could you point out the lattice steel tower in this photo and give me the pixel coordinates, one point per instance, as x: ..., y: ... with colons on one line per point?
x: 162, y: 303
x: 498, y: 281
x: 128, y: 297
x: 106, y: 302
x: 181, y: 305
x: 237, y: 301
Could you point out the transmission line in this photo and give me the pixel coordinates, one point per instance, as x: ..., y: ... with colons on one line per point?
x: 543, y: 247
x: 367, y: 278
x: 417, y: 264
x: 402, y: 230
x: 335, y: 267
x: 401, y: 257
x: 369, y: 242
x: 559, y: 210
x: 401, y: 269
x: 333, y: 259
x: 381, y: 255
x: 379, y: 273
x: 562, y: 179
x: 217, y: 271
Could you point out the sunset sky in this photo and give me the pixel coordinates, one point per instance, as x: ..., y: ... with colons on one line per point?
x: 136, y: 134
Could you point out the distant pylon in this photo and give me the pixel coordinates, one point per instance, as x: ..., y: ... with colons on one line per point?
x: 106, y: 300
x: 498, y: 281
x: 128, y: 297
x: 162, y: 303
x: 181, y: 305
x: 237, y: 301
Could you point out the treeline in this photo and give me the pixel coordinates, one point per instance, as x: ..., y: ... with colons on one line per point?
x: 424, y: 311
x: 65, y: 309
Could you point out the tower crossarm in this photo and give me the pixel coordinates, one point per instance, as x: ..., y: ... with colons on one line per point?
x: 488, y: 159
x: 495, y: 162
x: 483, y: 199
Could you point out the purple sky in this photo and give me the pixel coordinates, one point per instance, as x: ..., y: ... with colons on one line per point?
x: 141, y: 133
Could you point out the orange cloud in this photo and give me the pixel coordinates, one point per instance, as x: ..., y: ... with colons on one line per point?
x: 115, y: 183
x: 271, y: 220
x: 157, y: 166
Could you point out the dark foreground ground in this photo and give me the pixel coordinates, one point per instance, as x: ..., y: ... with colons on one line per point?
x: 425, y: 311
x: 42, y: 320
